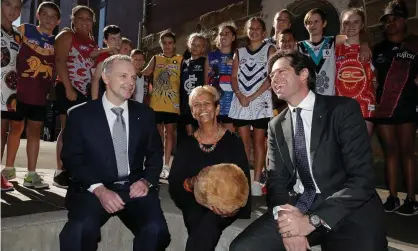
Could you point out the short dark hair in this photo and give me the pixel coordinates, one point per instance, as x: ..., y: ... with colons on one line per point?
x: 318, y: 11
x: 168, y: 34
x: 50, y: 5
x: 137, y: 52
x: 110, y: 30
x: 298, y: 62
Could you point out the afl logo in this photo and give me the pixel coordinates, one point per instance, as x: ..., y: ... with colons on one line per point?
x: 84, y: 48
x: 351, y: 74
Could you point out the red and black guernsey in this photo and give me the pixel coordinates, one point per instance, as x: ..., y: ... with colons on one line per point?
x: 397, y: 69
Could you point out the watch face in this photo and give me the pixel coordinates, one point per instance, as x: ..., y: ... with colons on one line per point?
x: 315, y: 220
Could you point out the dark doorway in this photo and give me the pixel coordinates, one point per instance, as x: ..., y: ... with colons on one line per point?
x: 299, y: 10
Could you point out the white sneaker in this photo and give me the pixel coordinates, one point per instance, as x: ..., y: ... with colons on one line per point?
x: 256, y: 189
x: 165, y: 172
x: 34, y: 181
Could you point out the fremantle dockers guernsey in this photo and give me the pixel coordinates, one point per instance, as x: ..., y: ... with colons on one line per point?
x: 251, y: 75
x: 323, y: 56
x: 10, y: 44
x: 192, y: 76
x: 165, y: 95
x: 354, y: 78
x: 219, y: 76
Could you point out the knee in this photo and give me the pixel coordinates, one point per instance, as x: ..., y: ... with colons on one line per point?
x: 156, y: 230
x: 238, y: 245
x: 80, y: 231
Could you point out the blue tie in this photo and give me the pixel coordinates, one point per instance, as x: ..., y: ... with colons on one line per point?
x: 305, y: 200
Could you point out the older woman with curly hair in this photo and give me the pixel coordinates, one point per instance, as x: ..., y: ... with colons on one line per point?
x: 210, y: 144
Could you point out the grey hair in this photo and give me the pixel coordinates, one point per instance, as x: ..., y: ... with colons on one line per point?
x: 108, y: 63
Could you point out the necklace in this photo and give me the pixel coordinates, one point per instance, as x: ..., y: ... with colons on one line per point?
x: 203, y: 147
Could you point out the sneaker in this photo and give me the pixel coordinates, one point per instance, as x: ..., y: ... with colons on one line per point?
x: 165, y: 172
x: 6, y: 185
x: 256, y: 189
x: 34, y: 181
x: 9, y: 173
x: 391, y: 204
x: 408, y: 208
x: 61, y: 180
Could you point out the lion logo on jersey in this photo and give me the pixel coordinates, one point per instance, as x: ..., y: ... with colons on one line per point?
x: 36, y: 66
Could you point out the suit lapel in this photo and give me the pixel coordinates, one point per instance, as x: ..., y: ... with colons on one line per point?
x: 287, y: 145
x: 318, y: 124
x: 134, y: 132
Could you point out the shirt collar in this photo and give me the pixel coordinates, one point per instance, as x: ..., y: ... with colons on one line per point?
x: 108, y: 105
x: 307, y: 103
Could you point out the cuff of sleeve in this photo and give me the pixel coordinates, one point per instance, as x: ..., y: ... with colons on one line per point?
x: 325, y: 225
x: 94, y: 186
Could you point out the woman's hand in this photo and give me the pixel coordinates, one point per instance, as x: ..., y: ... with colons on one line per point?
x: 223, y: 213
x: 243, y: 100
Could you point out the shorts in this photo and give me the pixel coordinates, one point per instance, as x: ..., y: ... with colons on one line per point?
x: 257, y: 123
x: 188, y: 120
x: 63, y: 104
x: 224, y: 119
x: 26, y: 111
x: 166, y: 118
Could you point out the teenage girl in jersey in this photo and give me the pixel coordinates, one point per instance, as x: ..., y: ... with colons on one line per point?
x: 252, y: 103
x: 354, y: 78
x: 219, y: 70
x: 192, y: 76
x: 73, y: 48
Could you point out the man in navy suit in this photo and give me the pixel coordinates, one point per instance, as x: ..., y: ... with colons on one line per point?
x: 113, y: 154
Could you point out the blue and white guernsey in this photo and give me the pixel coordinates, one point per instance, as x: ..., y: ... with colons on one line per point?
x: 251, y: 75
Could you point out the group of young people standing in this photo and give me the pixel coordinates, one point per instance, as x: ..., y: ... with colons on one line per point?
x: 383, y: 81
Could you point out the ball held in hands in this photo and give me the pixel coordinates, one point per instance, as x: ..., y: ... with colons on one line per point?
x: 223, y: 186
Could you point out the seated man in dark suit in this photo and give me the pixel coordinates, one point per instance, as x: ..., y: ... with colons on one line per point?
x: 113, y: 154
x: 321, y: 187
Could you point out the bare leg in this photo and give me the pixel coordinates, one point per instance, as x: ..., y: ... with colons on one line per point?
x: 4, y: 127
x: 370, y: 126
x: 169, y: 141
x: 13, y: 141
x: 33, y: 134
x: 259, y: 139
x: 63, y: 119
x: 406, y: 136
x: 189, y: 129
x: 245, y: 134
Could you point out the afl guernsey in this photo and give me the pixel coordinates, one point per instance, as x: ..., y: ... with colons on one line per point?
x: 36, y: 66
x: 10, y: 44
x: 165, y: 96
x: 192, y: 76
x: 355, y: 79
x: 322, y: 55
x: 251, y: 75
x: 219, y: 76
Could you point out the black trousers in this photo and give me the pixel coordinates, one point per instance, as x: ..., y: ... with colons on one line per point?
x: 204, y: 228
x: 143, y: 216
x: 361, y: 231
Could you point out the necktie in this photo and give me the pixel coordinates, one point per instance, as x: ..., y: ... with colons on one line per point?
x: 305, y: 200
x: 120, y: 143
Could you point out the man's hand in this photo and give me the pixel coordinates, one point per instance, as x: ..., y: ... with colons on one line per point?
x: 139, y: 189
x: 294, y: 223
x: 110, y: 200
x: 297, y: 243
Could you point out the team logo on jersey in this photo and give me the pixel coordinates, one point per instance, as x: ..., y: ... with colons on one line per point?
x: 351, y: 74
x: 189, y: 84
x: 215, y: 61
x: 198, y: 68
x: 36, y: 67
x: 405, y: 55
x: 11, y: 80
x: 3, y: 42
x: 5, y: 56
x: 174, y: 61
x: 84, y: 48
x: 32, y: 41
x: 243, y: 61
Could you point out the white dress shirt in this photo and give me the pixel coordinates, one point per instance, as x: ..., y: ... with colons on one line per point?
x: 307, y: 106
x: 111, y: 118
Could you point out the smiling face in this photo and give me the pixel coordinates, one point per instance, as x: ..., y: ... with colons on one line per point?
x: 352, y: 24
x: 286, y: 42
x: 120, y: 80
x: 255, y: 31
x: 83, y: 22
x: 204, y: 109
x: 285, y: 83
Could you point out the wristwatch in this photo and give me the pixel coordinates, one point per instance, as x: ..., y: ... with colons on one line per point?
x: 315, y: 221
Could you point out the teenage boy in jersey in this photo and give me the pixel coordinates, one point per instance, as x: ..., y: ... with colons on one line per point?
x: 10, y: 43
x: 35, y: 73
x: 126, y: 47
x: 321, y: 50
x: 165, y: 95
x: 112, y: 40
